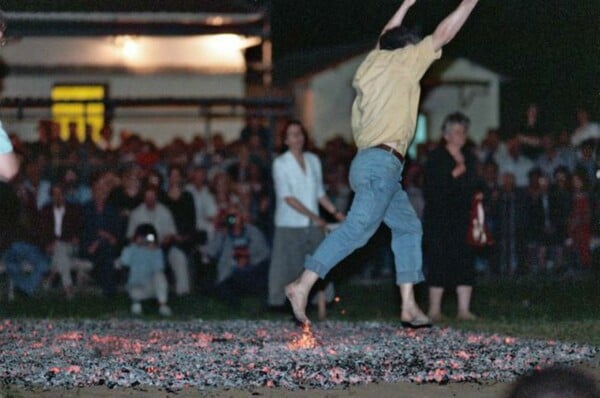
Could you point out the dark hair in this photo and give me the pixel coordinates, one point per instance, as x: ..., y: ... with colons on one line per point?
x: 555, y: 382
x: 398, y: 37
x: 293, y: 122
x: 455, y: 118
x: 146, y: 231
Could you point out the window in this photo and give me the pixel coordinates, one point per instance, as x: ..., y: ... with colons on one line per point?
x: 79, y: 113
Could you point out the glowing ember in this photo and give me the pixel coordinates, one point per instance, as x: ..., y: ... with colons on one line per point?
x: 306, y: 341
x: 242, y: 354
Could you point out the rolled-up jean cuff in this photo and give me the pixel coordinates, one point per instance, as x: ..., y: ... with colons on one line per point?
x: 315, y: 266
x: 409, y: 277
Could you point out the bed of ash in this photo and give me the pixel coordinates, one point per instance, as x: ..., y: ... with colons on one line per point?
x: 243, y: 354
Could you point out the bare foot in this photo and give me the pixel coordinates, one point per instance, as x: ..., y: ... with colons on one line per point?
x: 436, y: 317
x: 414, y: 314
x: 298, y: 298
x: 466, y: 316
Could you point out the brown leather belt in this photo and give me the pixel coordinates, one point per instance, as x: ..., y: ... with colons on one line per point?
x: 391, y: 150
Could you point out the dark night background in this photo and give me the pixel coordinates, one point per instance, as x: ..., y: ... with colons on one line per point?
x: 547, y: 50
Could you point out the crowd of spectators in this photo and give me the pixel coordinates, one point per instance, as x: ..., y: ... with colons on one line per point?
x: 76, y: 205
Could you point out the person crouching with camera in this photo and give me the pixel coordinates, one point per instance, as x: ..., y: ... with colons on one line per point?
x: 146, y: 264
x: 242, y: 256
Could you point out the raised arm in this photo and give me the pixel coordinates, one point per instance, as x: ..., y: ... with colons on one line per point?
x: 398, y: 16
x: 450, y: 26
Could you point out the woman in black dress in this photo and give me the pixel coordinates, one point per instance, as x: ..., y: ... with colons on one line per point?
x: 450, y: 182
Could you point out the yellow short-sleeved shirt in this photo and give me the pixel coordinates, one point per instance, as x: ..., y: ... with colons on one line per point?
x: 387, y: 94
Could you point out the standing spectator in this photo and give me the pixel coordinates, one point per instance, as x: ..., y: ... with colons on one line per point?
x: 146, y: 265
x: 60, y: 226
x: 299, y: 229
x: 579, y: 225
x: 508, y: 231
x: 530, y: 133
x: 450, y: 183
x: 514, y: 162
x: 181, y: 205
x: 254, y: 127
x: 550, y: 158
x: 159, y: 216
x: 101, y: 233
x: 567, y: 153
x: 587, y: 162
x: 242, y: 256
x: 585, y: 129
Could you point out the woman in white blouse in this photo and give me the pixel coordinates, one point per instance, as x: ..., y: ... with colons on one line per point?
x: 299, y: 229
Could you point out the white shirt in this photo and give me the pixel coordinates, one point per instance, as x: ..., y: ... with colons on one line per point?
x: 160, y: 217
x: 291, y: 181
x: 5, y: 144
x: 589, y: 131
x: 59, y: 214
x: 206, y: 208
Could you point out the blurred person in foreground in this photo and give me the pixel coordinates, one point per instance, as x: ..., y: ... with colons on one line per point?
x: 146, y: 264
x: 9, y: 166
x: 383, y: 124
x: 555, y: 382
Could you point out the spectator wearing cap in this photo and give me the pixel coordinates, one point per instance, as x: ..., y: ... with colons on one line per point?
x: 146, y: 265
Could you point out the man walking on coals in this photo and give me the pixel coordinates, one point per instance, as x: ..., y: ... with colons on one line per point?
x: 384, y: 117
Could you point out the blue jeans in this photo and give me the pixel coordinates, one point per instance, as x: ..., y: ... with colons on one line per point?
x: 375, y: 178
x: 22, y: 252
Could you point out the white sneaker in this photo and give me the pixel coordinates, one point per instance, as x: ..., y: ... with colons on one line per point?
x: 165, y: 310
x: 136, y: 309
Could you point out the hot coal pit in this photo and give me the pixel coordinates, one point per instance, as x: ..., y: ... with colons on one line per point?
x: 246, y: 354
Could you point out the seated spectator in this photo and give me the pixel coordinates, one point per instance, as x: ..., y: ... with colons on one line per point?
x: 242, y: 256
x: 26, y: 265
x: 146, y: 265
x: 181, y: 205
x: 60, y: 226
x: 224, y: 196
x: 24, y: 262
x: 127, y: 195
x: 75, y: 191
x: 160, y: 217
x: 101, y: 234
x: 204, y: 201
x: 35, y: 189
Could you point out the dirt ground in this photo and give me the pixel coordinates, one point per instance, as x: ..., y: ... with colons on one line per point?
x: 371, y: 390
x: 383, y: 390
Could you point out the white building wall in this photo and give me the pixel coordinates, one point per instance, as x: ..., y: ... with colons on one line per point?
x: 480, y: 103
x: 333, y: 97
x: 196, y: 66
